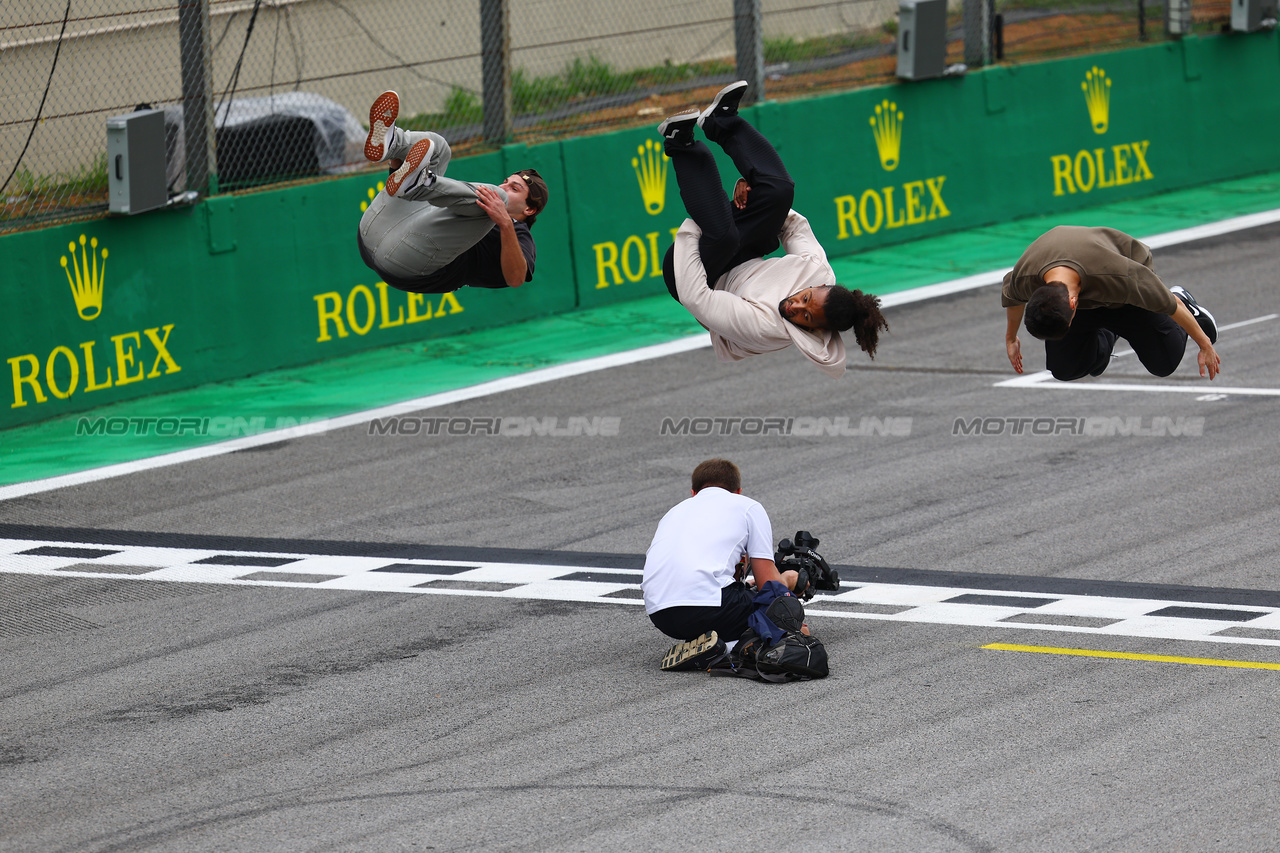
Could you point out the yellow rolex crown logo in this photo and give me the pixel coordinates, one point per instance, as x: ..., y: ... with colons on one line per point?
x: 1097, y: 97
x: 886, y: 127
x: 86, y: 285
x: 372, y: 194
x: 651, y: 172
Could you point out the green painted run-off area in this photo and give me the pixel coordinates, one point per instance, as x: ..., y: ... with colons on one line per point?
x: 389, y: 375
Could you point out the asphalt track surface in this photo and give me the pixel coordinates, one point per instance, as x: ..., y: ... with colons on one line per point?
x: 409, y: 642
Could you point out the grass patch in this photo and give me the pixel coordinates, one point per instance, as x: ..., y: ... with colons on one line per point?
x: 790, y: 49
x: 90, y: 178
x: 580, y: 80
x: 1068, y: 6
x: 28, y: 193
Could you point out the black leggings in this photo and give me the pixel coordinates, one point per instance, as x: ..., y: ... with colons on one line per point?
x: 1157, y: 340
x: 729, y: 235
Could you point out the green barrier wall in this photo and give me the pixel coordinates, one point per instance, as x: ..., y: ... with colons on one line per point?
x: 231, y: 287
x: 117, y: 308
x: 888, y: 165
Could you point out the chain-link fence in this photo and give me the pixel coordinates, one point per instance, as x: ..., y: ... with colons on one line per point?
x: 1041, y: 29
x: 259, y: 91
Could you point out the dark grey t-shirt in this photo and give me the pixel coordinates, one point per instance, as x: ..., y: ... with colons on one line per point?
x: 1115, y: 270
x: 479, y: 266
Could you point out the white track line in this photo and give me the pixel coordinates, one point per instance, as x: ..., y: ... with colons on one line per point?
x: 484, y: 389
x: 576, y: 368
x: 1215, y: 390
x: 1044, y: 379
x: 1264, y: 318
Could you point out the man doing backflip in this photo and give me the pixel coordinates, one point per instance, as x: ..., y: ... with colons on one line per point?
x: 717, y: 269
x: 1081, y: 288
x: 426, y: 233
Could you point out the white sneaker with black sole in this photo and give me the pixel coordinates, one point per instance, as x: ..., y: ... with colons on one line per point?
x: 1208, y: 325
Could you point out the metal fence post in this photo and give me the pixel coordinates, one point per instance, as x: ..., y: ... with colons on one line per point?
x: 979, y: 24
x: 495, y: 66
x: 748, y: 38
x: 988, y: 32
x: 197, y: 95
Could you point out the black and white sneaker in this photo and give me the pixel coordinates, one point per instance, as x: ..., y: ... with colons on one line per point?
x: 1208, y: 325
x: 696, y: 654
x: 678, y: 129
x: 726, y: 101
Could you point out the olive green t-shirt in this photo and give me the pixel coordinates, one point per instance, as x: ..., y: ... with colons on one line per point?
x: 1115, y: 270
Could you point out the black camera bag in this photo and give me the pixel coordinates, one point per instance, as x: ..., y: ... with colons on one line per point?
x: 774, y: 648
x: 794, y: 655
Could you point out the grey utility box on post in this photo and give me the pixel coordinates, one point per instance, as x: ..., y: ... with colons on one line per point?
x: 1248, y: 15
x: 136, y: 162
x: 922, y: 39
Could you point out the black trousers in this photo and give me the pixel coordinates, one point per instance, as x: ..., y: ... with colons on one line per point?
x: 729, y: 620
x: 1156, y: 339
x: 729, y: 235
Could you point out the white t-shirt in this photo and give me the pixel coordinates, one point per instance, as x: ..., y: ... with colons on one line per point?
x: 697, y: 545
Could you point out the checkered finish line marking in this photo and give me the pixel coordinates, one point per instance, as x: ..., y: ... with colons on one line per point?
x: 1086, y: 614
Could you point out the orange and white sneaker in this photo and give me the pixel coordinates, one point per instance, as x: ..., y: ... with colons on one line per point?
x: 413, y: 171
x: 382, y: 124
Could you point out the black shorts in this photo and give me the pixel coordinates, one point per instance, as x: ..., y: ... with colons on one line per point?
x: 729, y: 620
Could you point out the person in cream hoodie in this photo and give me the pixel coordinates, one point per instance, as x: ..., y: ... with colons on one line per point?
x: 716, y: 268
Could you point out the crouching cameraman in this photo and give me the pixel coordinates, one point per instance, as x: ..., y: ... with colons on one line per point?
x: 694, y: 571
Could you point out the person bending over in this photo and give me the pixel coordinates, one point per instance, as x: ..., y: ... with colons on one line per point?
x: 1081, y: 288
x: 695, y: 585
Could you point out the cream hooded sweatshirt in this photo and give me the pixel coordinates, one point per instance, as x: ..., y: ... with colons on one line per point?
x: 741, y: 313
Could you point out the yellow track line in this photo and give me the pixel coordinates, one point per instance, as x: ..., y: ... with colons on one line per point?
x: 1092, y: 653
